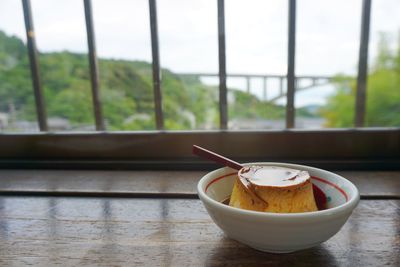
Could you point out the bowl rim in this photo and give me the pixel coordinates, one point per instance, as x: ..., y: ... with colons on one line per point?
x: 347, y: 206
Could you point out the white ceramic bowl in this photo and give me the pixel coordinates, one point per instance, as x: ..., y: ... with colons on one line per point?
x: 279, y: 232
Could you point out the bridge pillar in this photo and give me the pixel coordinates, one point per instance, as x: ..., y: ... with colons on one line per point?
x: 265, y: 88
x: 280, y: 86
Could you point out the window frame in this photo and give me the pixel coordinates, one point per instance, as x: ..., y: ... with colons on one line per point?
x: 358, y: 148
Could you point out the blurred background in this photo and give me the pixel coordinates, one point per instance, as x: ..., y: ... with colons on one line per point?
x: 327, y: 44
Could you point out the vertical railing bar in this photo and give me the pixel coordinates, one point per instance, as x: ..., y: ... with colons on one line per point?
x: 248, y: 84
x: 281, y: 85
x: 34, y: 66
x: 94, y: 70
x: 223, y: 105
x: 290, y: 123
x: 361, y: 94
x: 156, y: 66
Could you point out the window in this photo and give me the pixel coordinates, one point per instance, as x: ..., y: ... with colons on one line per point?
x: 164, y: 138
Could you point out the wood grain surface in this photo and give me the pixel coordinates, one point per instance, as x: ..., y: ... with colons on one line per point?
x: 48, y: 231
x: 371, y: 184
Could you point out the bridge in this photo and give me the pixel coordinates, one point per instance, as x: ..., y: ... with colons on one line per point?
x: 302, y: 83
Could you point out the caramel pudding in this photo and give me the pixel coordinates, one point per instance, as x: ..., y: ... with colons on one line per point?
x: 273, y: 189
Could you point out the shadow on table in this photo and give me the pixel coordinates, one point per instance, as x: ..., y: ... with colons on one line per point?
x: 229, y: 252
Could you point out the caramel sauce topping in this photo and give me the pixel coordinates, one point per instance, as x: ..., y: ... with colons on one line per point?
x: 272, y: 176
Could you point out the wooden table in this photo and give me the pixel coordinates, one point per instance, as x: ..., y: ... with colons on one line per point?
x: 156, y: 222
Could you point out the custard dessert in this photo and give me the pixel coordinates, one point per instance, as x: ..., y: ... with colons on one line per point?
x: 273, y: 189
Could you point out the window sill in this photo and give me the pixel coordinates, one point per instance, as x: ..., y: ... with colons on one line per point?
x: 172, y: 184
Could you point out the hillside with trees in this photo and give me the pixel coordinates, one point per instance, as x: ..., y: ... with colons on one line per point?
x: 126, y: 93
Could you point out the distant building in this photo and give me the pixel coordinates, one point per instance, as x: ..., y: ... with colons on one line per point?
x: 58, y: 124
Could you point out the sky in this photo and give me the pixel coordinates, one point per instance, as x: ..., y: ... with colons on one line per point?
x: 327, y: 39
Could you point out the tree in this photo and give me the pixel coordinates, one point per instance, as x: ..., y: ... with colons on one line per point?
x: 383, y: 93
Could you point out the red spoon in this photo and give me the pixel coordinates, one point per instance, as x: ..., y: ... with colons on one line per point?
x: 204, y: 153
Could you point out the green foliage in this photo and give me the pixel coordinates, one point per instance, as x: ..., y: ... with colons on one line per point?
x: 247, y: 106
x: 15, y: 84
x: 383, y: 93
x: 383, y: 98
x: 73, y: 103
x: 339, y: 111
x: 12, y: 50
x: 304, y: 112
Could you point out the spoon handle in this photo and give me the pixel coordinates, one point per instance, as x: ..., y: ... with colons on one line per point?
x: 204, y: 153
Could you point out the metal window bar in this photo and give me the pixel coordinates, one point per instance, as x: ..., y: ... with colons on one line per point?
x: 156, y: 66
x: 290, y: 111
x: 223, y: 91
x: 94, y: 71
x: 34, y: 66
x: 361, y: 95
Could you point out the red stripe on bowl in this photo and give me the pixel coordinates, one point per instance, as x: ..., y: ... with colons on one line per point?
x: 218, y: 178
x: 333, y: 185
